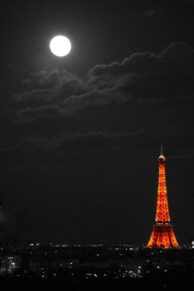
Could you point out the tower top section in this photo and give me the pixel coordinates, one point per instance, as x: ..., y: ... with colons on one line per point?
x: 161, y: 157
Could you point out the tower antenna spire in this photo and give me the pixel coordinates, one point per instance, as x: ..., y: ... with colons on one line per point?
x: 161, y: 150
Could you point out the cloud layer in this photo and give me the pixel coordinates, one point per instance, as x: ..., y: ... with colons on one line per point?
x: 145, y: 77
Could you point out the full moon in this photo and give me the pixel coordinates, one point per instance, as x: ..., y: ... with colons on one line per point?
x: 60, y: 45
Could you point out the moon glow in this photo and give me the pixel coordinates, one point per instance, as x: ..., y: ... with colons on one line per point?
x: 60, y: 45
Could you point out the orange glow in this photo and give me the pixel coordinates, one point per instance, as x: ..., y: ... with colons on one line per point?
x: 162, y: 235
x: 162, y: 210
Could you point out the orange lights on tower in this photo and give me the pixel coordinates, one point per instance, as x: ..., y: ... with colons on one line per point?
x: 162, y: 235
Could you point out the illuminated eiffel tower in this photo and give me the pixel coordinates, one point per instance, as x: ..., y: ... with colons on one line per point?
x: 162, y: 235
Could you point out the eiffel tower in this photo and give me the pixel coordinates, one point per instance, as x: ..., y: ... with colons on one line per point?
x: 162, y: 235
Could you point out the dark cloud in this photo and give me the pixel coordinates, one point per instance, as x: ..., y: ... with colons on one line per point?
x: 79, y: 143
x: 149, y: 76
x: 141, y: 77
x: 53, y: 108
x: 63, y: 81
x: 72, y: 142
x: 175, y: 57
x: 34, y: 98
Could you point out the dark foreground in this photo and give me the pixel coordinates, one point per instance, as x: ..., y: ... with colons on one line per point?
x: 95, y: 267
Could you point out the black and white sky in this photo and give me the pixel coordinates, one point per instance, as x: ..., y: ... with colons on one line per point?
x: 80, y: 135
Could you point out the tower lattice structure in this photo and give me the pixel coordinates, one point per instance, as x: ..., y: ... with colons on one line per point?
x: 162, y: 235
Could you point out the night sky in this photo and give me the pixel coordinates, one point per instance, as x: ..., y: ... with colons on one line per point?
x: 80, y: 135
